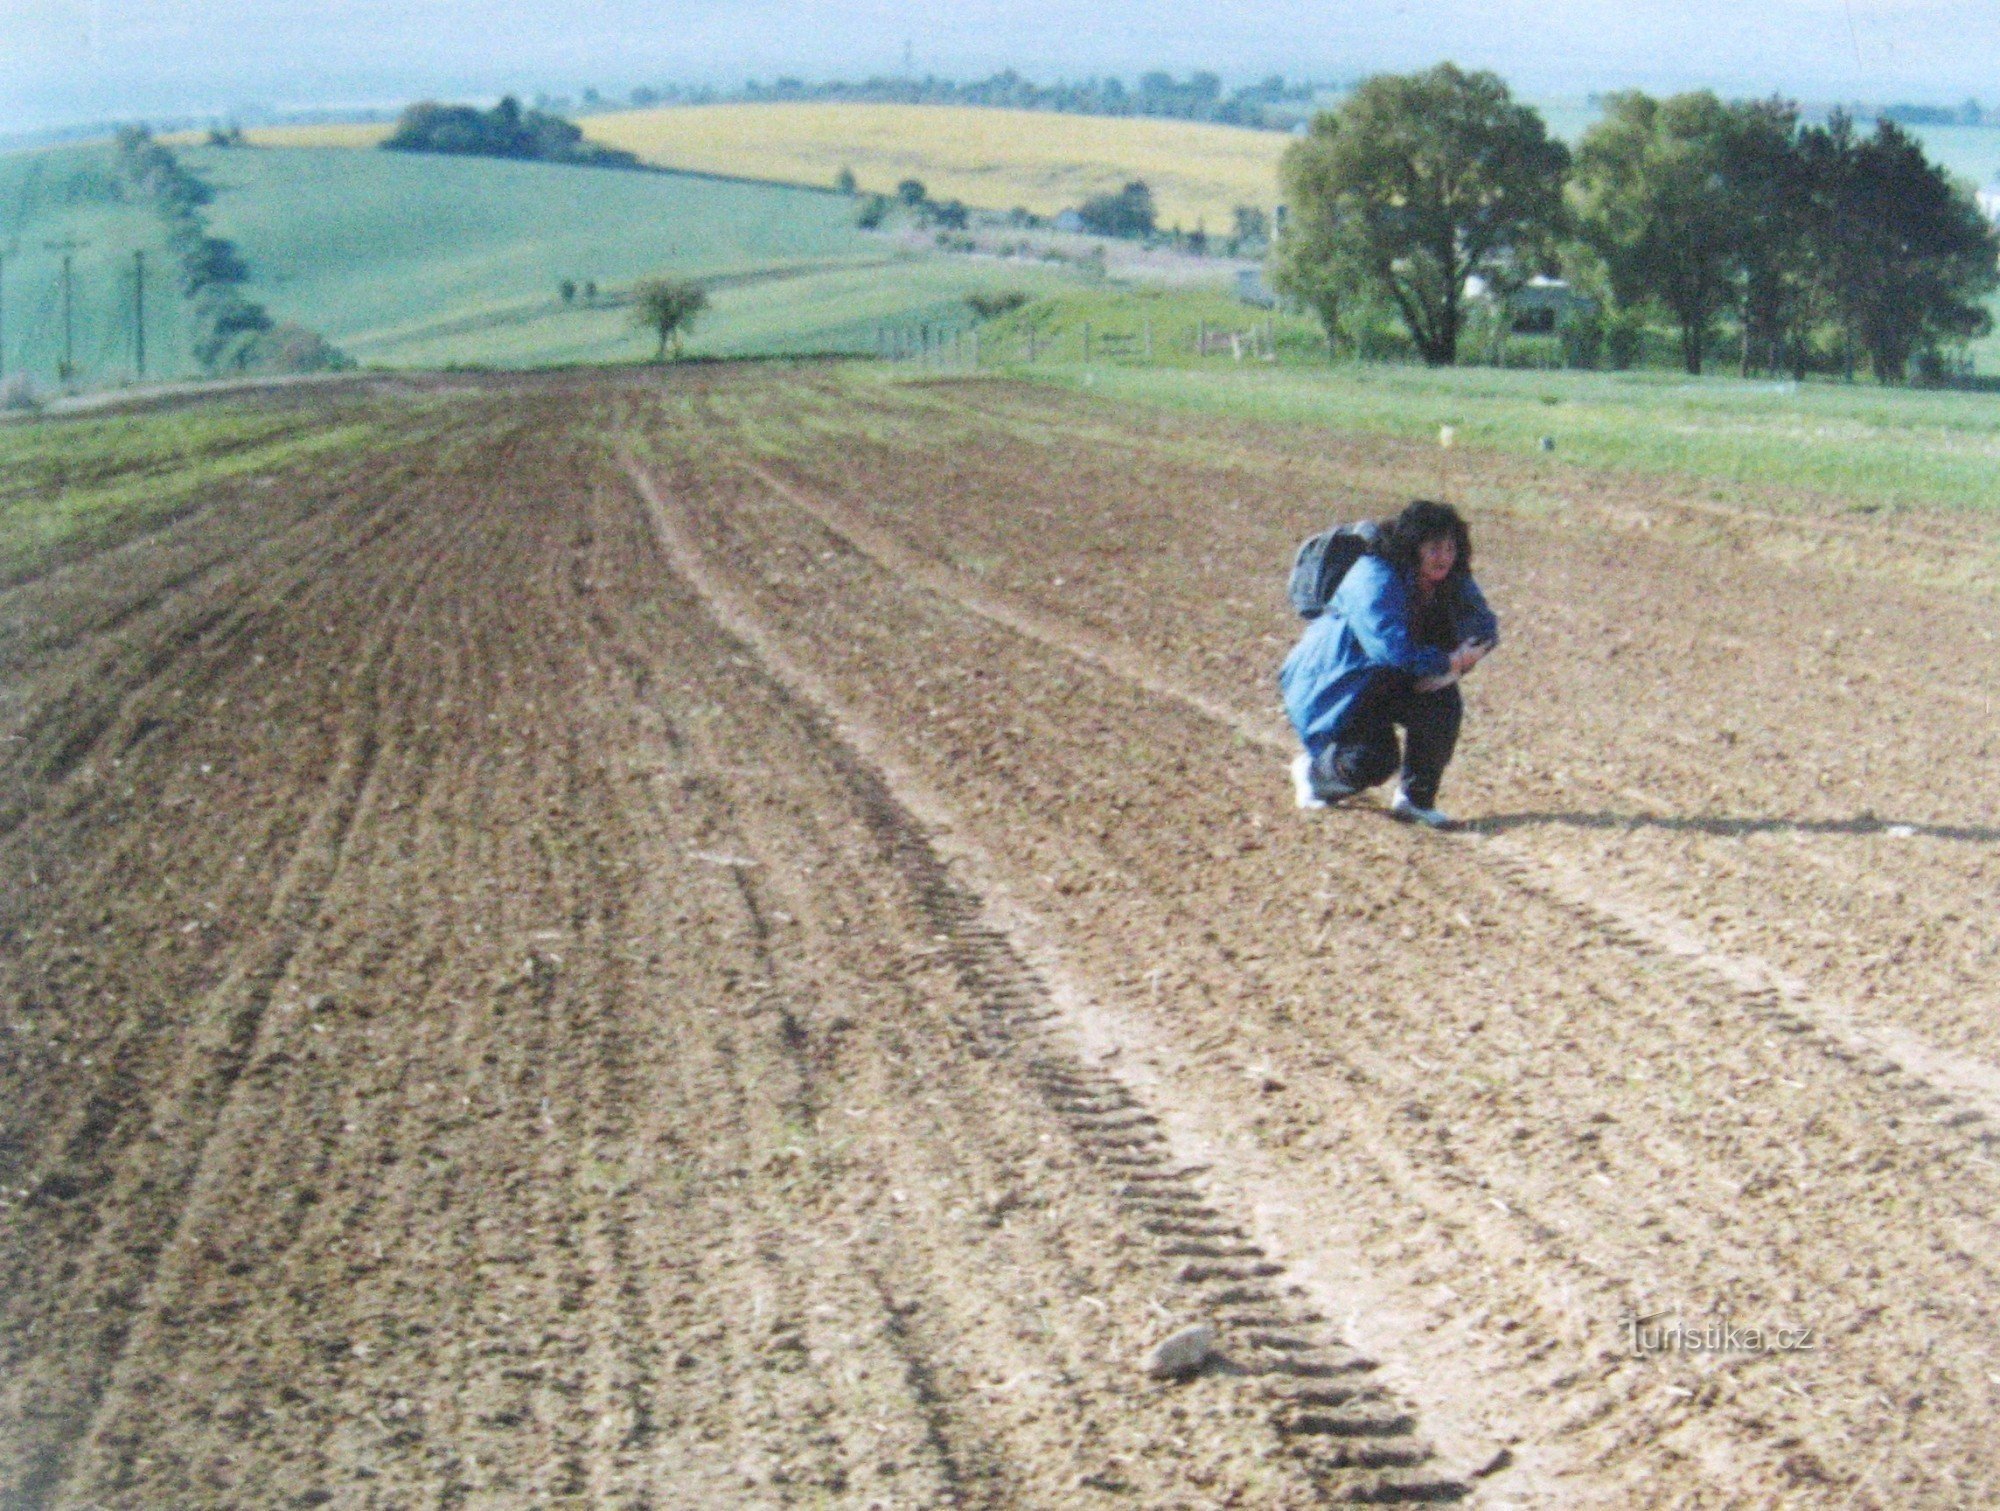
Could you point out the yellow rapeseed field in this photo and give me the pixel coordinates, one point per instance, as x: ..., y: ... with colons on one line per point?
x: 318, y: 136
x: 991, y: 159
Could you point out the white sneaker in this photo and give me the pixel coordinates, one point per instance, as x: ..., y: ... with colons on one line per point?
x: 1410, y: 813
x: 1302, y: 783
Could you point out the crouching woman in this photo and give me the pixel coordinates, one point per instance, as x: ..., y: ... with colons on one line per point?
x: 1406, y: 623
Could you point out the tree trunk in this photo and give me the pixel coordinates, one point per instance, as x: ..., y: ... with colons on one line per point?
x: 1691, y: 348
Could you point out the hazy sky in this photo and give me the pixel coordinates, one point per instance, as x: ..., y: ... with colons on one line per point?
x: 75, y: 60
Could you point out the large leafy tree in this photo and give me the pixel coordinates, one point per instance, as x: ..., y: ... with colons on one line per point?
x: 1659, y: 201
x: 1778, y: 296
x: 1416, y: 183
x: 1905, y: 259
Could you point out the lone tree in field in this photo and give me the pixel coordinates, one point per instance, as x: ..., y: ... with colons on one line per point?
x: 1129, y: 212
x: 667, y: 306
x: 1416, y: 183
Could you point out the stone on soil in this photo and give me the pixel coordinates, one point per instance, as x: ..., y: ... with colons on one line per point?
x: 1182, y: 1354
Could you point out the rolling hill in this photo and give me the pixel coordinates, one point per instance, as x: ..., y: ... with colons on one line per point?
x: 67, y: 200
x: 995, y: 159
x: 420, y: 261
x: 991, y: 159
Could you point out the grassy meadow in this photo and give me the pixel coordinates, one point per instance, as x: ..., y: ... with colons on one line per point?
x: 409, y: 261
x: 1879, y: 447
x: 405, y: 260
x: 69, y: 194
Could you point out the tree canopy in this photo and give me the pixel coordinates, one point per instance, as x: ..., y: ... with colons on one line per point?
x: 667, y: 306
x: 1905, y: 258
x: 1414, y: 184
x: 1821, y: 241
x: 504, y: 131
x: 1129, y: 212
x: 1658, y: 198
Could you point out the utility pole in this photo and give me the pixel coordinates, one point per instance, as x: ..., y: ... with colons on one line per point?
x: 139, y: 312
x: 68, y: 247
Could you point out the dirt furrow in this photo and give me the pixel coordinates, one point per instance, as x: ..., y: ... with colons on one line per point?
x: 1962, y: 1091
x: 1272, y: 1332
x: 780, y: 996
x: 882, y: 639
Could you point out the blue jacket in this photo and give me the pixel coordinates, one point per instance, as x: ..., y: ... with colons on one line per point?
x: 1366, y: 626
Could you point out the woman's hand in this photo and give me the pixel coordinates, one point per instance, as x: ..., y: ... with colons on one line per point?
x: 1469, y: 655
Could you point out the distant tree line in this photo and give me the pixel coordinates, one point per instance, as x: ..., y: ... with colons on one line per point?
x: 504, y: 131
x: 230, y: 332
x: 1817, y: 248
x: 1273, y: 103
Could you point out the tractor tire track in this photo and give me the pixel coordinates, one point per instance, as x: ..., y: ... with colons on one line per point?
x: 1372, y: 1457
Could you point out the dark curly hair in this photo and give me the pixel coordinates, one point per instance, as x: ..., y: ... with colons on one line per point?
x: 1421, y: 520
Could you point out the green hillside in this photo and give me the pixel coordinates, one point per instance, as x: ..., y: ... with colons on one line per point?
x: 50, y: 197
x: 425, y: 261
x: 411, y: 261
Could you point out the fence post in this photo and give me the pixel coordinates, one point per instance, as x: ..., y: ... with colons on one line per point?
x: 1201, y: 339
x: 975, y: 350
x: 1149, y: 340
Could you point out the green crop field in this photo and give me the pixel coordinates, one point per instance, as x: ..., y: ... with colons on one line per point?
x: 421, y: 261
x: 49, y: 198
x: 408, y: 261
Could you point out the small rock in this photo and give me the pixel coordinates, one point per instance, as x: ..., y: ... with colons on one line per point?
x: 1494, y: 1465
x: 1446, y: 435
x: 1547, y: 443
x: 1182, y: 1354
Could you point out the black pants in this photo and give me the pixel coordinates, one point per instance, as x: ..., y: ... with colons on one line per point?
x: 1364, y: 749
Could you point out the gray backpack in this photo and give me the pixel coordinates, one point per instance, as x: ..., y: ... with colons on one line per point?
x: 1322, y: 562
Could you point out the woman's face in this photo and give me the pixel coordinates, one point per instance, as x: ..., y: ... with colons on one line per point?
x: 1435, y: 559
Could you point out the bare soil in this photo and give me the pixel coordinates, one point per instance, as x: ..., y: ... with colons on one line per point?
x: 742, y: 940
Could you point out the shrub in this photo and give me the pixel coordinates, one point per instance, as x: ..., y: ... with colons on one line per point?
x: 1129, y: 212
x: 989, y: 306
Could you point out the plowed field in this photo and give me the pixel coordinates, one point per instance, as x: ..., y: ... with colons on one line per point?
x: 741, y: 940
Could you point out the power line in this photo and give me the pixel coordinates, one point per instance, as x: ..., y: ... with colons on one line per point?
x: 139, y: 312
x: 68, y: 246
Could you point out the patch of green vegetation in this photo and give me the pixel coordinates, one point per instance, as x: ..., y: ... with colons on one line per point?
x: 69, y: 200
x: 426, y: 261
x: 68, y: 486
x: 1152, y: 326
x: 855, y: 309
x: 1876, y: 446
